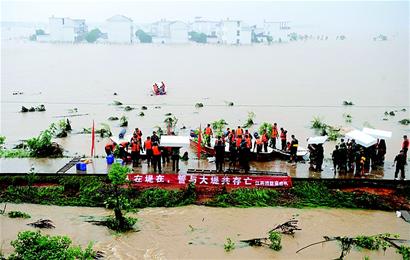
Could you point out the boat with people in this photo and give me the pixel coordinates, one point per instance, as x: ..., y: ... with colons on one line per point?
x: 271, y: 154
x: 159, y: 90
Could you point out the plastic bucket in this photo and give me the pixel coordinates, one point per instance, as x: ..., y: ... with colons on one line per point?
x: 81, y: 166
x: 110, y: 159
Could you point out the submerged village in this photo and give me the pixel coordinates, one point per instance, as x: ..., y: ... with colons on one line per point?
x: 125, y: 140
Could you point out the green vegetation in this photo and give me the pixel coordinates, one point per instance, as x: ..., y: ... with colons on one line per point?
x: 40, y: 108
x: 143, y: 36
x: 229, y: 245
x: 117, y: 175
x: 123, y: 121
x: 275, y: 238
x: 2, y: 140
x: 246, y: 198
x: 41, y: 146
x: 93, y: 35
x: 18, y: 214
x: 94, y: 191
x: 405, y: 121
x: 347, y: 117
x: 323, y: 129
x: 198, y: 105
x: 170, y: 123
x: 389, y: 113
x: 303, y: 194
x: 249, y: 122
x: 375, y: 242
x: 14, y: 153
x: 218, y: 126
x: 141, y: 114
x: 34, y: 245
x: 197, y: 37
x: 265, y: 127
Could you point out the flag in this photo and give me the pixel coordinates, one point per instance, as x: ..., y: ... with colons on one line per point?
x: 199, y: 142
x: 92, y: 140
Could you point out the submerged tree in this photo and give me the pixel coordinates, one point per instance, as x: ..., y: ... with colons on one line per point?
x: 117, y: 175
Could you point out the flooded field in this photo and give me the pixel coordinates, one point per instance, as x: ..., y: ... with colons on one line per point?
x: 287, y: 83
x: 166, y: 233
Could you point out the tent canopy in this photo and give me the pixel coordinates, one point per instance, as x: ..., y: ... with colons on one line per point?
x: 174, y: 141
x: 376, y: 133
x: 317, y: 139
x: 126, y: 138
x: 361, y: 138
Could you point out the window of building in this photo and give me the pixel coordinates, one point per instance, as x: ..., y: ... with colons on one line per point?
x: 238, y: 23
x: 238, y: 33
x: 237, y: 41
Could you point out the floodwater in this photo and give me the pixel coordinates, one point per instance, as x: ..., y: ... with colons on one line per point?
x: 285, y: 83
x: 198, y: 232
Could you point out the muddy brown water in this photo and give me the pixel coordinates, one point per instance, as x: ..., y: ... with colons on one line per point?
x: 288, y: 84
x: 166, y: 233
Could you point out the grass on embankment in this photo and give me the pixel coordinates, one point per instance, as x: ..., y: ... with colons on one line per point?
x: 93, y: 191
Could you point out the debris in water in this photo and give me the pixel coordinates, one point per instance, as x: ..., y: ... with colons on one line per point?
x: 128, y: 108
x: 405, y: 121
x: 113, y: 118
x: 42, y: 223
x: 347, y: 103
x: 117, y: 103
x: 115, y: 93
x: 141, y: 114
x: 144, y: 108
x: 198, y: 105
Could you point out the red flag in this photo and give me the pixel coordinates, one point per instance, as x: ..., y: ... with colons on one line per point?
x: 199, y: 142
x: 92, y: 140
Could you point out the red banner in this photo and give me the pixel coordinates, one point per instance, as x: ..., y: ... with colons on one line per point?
x: 243, y: 181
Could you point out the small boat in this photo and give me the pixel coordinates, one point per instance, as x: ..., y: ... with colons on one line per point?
x: 271, y: 154
x: 158, y: 92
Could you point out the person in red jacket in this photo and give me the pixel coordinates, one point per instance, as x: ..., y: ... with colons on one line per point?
x: 265, y: 141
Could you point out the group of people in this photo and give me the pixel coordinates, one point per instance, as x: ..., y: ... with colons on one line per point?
x: 316, y: 156
x: 159, y: 90
x: 354, y: 158
x: 130, y: 151
x: 241, y: 143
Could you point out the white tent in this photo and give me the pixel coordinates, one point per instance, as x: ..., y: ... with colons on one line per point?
x: 376, y: 133
x: 117, y: 140
x: 361, y: 138
x: 174, y: 141
x: 317, y: 140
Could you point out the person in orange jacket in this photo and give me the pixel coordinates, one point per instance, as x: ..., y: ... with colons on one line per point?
x: 110, y: 147
x: 135, y: 152
x: 148, y: 149
x: 265, y: 141
x: 208, y: 135
x: 156, y: 160
x: 274, y: 135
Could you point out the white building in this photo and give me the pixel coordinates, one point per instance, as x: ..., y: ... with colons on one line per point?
x: 277, y: 30
x: 210, y: 28
x: 165, y: 31
x: 65, y: 29
x: 235, y: 32
x: 119, y: 29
